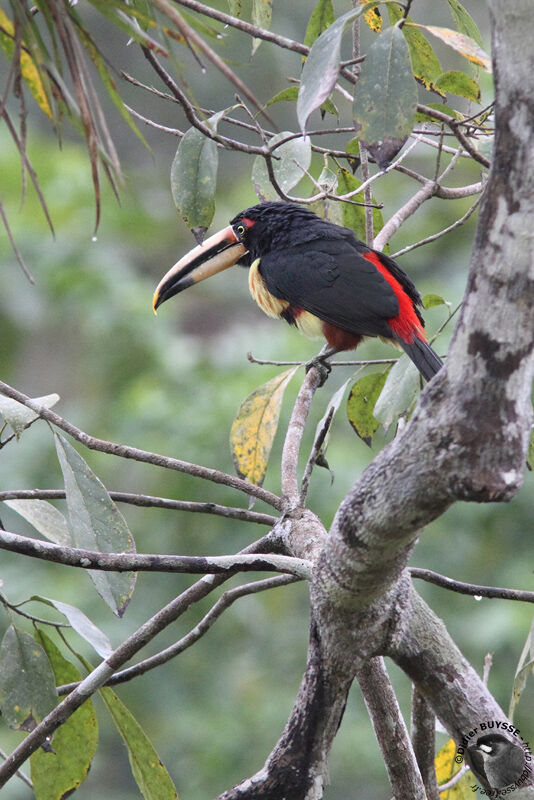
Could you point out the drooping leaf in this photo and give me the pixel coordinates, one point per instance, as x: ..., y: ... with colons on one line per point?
x: 373, y: 18
x: 331, y: 410
x: 446, y: 768
x: 321, y: 68
x: 399, y: 392
x: 386, y: 96
x: 262, y: 12
x: 27, y: 684
x: 193, y: 180
x: 361, y: 403
x: 431, y: 300
x: 45, y: 518
x: 290, y: 157
x: 354, y: 216
x: 19, y: 416
x: 458, y: 83
x: 254, y: 428
x: 61, y: 771
x: 81, y: 624
x: 425, y: 64
x: 525, y: 667
x: 530, y: 454
x: 321, y: 18
x: 150, y: 775
x: 28, y: 68
x: 460, y: 42
x: 464, y: 22
x: 96, y: 524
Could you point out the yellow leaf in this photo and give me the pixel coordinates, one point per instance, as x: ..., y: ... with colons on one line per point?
x: 28, y: 67
x: 372, y: 17
x: 460, y: 42
x: 446, y: 768
x: 254, y: 428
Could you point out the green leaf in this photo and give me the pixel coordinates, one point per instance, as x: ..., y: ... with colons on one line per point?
x: 386, y: 96
x: 321, y: 68
x: 458, y: 83
x: 96, y: 524
x: 354, y: 216
x: 235, y: 7
x: 262, y: 12
x: 399, y: 392
x: 460, y: 42
x: 27, y: 684
x: 530, y: 454
x: 45, y: 518
x: 19, y: 416
x: 81, y: 624
x: 525, y: 667
x: 425, y: 64
x: 194, y: 179
x: 431, y: 300
x: 464, y: 22
x: 59, y: 772
x: 255, y: 426
x: 361, y: 403
x: 291, y: 93
x: 286, y: 167
x: 150, y: 775
x: 321, y: 18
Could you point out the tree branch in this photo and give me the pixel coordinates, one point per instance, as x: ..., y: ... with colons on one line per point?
x: 149, y: 501
x: 390, y: 731
x: 473, y: 589
x: 423, y: 734
x: 123, y: 451
x: 134, y: 562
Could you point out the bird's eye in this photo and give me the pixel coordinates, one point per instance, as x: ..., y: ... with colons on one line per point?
x: 241, y: 230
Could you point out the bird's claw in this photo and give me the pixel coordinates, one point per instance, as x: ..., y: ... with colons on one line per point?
x: 322, y: 365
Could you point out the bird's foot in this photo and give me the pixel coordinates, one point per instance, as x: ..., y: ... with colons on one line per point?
x: 322, y: 364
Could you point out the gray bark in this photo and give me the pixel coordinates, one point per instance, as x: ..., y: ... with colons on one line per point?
x: 467, y: 440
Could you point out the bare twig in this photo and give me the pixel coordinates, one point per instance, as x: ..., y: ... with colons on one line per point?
x: 295, y: 430
x: 472, y: 589
x: 123, y: 562
x: 123, y: 451
x: 149, y: 501
x: 433, y: 237
x: 223, y: 603
x: 19, y: 773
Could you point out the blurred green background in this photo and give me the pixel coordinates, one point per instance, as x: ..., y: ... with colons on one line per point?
x: 172, y: 384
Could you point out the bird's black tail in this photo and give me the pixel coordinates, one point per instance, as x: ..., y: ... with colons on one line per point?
x: 425, y: 359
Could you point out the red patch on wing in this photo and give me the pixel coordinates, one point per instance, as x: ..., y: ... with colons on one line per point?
x: 406, y: 324
x: 340, y: 339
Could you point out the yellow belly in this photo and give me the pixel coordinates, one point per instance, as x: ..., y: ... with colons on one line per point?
x: 271, y: 305
x: 307, y: 323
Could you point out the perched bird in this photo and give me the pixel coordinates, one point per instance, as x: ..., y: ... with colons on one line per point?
x: 315, y: 275
x: 498, y: 759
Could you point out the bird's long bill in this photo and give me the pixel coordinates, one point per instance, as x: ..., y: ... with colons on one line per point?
x: 220, y: 251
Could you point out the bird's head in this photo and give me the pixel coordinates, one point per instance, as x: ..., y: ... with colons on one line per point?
x: 250, y: 234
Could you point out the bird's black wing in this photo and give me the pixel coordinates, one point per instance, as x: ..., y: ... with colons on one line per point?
x: 331, y: 279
